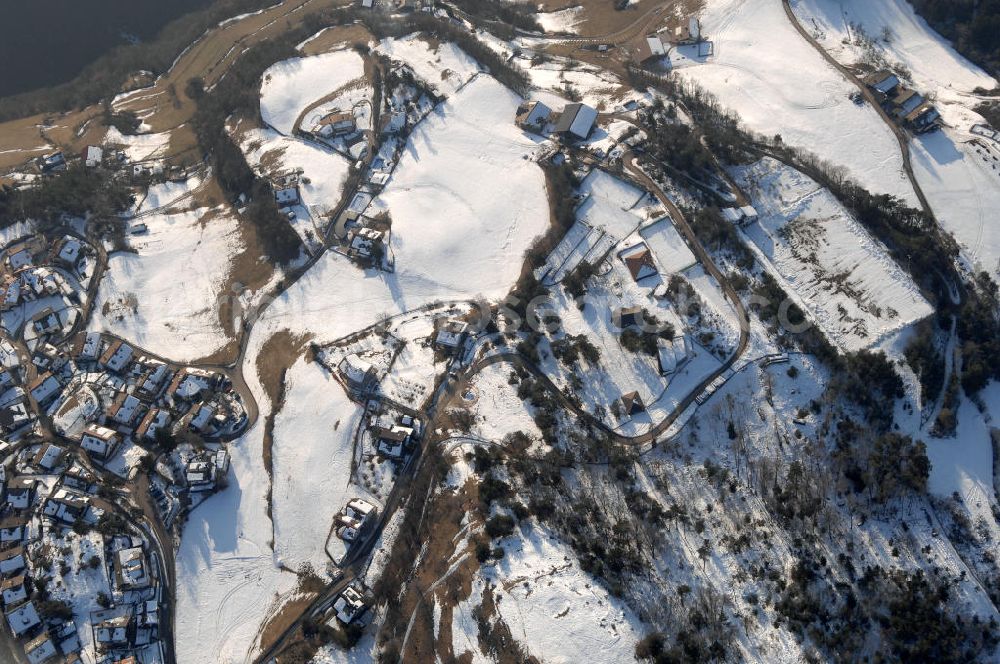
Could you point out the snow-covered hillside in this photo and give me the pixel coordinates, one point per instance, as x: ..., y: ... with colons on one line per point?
x: 776, y: 83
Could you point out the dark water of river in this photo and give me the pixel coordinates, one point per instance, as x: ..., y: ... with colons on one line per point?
x: 47, y: 42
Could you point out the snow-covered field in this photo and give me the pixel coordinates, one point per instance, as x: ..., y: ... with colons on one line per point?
x: 764, y: 71
x: 553, y: 608
x: 140, y: 147
x: 962, y: 181
x: 291, y: 86
x: 314, y: 429
x: 165, y: 296
x: 465, y: 205
x: 444, y: 67
x: 270, y: 153
x: 828, y: 262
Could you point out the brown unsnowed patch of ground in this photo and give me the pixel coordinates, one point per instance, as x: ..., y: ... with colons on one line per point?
x: 432, y: 528
x: 277, y: 354
x: 338, y: 37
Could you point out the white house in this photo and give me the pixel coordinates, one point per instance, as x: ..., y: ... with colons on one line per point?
x: 12, y: 590
x: 44, y: 387
x: 100, y: 441
x: 23, y: 618
x: 576, y: 121
x: 40, y: 649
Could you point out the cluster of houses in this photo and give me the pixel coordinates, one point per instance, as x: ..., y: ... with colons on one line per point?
x: 575, y: 122
x: 907, y: 106
x: 652, y: 47
x: 90, y: 156
x: 39, y: 284
x: 50, y: 494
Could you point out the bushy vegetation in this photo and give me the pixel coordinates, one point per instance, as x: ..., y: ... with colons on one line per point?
x: 973, y: 26
x: 74, y: 192
x: 502, y: 17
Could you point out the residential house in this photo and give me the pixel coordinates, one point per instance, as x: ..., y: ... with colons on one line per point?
x: 200, y: 416
x: 40, y: 649
x: 88, y: 346
x: 52, y: 163
x: 349, y: 605
x: 639, y: 261
x: 124, y: 409
x: 649, y: 49
x: 44, y: 388
x: 392, y: 441
x: 335, y: 124
x: 627, y: 317
x: 92, y: 156
x: 153, y: 420
x: 111, y: 628
x: 358, y: 373
x: 23, y: 618
x: 13, y: 591
x: 188, y: 384
x: 151, y: 381
x: 533, y: 116
x: 116, y: 356
x: 576, y: 121
x: 451, y: 334
x: 21, y: 492
x: 14, y: 416
x: 883, y: 81
x: 13, y: 530
x: 672, y: 354
x: 12, y: 561
x: 632, y: 404
x: 49, y: 457
x: 686, y: 33
x: 100, y: 442
x: 353, y: 519
x: 287, y: 196
x: 67, y: 251
x: 131, y: 569
x: 66, y: 506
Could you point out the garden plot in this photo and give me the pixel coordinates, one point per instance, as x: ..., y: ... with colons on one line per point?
x: 838, y: 273
x: 289, y: 87
x: 619, y: 371
x: 169, y: 310
x: 553, y: 608
x: 890, y: 34
x: 443, y: 66
x: 962, y: 181
x: 314, y: 429
x: 807, y: 104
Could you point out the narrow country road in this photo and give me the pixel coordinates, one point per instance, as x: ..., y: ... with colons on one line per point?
x: 901, y: 136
